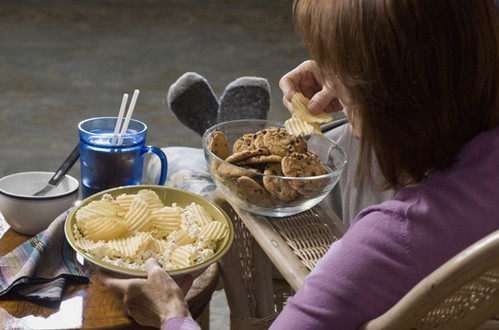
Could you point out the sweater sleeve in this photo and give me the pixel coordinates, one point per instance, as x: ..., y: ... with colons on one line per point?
x: 361, y: 276
x: 181, y: 323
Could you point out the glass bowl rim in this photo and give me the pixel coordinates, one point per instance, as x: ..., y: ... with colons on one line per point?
x: 215, y: 127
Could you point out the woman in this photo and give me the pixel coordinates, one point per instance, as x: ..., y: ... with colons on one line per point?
x: 418, y: 81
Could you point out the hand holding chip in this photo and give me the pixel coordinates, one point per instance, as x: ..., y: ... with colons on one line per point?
x: 303, y: 122
x: 306, y: 79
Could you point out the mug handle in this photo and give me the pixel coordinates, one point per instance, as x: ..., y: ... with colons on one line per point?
x: 164, y: 162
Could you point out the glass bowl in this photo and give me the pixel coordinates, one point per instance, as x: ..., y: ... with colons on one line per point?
x: 273, y: 195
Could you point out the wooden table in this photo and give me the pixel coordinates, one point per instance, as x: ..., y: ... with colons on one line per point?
x: 87, y: 306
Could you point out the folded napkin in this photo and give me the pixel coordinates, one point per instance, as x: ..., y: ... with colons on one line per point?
x: 39, y: 268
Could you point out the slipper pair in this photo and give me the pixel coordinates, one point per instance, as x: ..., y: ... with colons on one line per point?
x: 194, y: 103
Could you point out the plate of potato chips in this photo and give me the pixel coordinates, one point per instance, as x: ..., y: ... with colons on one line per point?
x: 120, y: 228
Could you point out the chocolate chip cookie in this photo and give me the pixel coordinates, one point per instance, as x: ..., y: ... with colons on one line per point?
x: 219, y: 145
x: 304, y: 165
x: 278, y: 187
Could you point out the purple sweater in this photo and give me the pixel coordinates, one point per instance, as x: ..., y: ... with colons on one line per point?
x: 391, y: 246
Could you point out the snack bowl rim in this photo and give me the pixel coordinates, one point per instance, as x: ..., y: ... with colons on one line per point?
x: 127, y: 272
x: 332, y: 173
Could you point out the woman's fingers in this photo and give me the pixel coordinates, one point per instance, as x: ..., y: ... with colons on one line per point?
x: 325, y: 100
x: 306, y: 79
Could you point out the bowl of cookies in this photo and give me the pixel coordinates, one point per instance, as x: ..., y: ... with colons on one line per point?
x: 261, y: 168
x: 119, y: 229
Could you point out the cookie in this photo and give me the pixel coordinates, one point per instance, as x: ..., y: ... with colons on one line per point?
x: 233, y: 171
x: 258, y: 141
x: 219, y: 145
x: 251, y: 191
x: 278, y: 187
x: 279, y: 142
x: 245, y: 142
x: 245, y: 154
x: 262, y: 160
x: 304, y: 165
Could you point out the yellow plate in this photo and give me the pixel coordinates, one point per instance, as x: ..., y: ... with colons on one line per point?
x: 168, y: 196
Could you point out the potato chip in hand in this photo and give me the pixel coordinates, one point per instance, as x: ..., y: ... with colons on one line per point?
x: 303, y: 122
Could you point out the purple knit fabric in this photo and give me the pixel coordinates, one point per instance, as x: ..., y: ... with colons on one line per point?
x: 180, y: 323
x: 390, y: 247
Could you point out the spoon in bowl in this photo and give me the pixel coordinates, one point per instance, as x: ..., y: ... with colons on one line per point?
x: 61, y: 172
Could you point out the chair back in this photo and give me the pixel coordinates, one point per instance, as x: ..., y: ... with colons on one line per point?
x: 463, y: 293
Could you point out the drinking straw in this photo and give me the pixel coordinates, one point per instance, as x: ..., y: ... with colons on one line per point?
x: 120, y: 118
x: 128, y: 116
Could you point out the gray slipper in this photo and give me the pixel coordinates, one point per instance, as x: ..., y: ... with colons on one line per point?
x: 193, y: 102
x: 245, y: 98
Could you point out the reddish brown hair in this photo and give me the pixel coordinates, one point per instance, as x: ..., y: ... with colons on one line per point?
x: 422, y: 75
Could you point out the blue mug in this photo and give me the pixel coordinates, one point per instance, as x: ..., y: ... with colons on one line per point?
x: 107, y: 162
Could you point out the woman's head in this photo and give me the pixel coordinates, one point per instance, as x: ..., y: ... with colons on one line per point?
x: 420, y: 76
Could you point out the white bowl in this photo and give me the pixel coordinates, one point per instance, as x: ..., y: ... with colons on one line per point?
x: 331, y: 156
x: 28, y: 214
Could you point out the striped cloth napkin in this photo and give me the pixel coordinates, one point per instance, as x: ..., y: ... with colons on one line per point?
x: 40, y: 268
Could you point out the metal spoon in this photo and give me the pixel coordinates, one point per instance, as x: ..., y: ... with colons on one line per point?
x: 61, y: 172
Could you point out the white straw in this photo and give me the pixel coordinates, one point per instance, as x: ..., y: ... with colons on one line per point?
x: 128, y: 116
x: 120, y: 118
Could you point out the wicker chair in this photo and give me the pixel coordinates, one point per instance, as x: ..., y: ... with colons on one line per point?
x: 257, y: 283
x: 461, y: 294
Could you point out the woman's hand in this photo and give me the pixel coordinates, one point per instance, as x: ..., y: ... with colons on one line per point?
x: 151, y: 301
x: 305, y: 78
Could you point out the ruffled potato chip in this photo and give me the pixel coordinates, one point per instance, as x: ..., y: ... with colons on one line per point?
x: 296, y: 126
x: 214, y: 231
x: 131, y: 246
x: 100, y: 221
x: 184, y: 256
x: 103, y: 228
x: 96, y: 209
x: 138, y: 215
x: 196, y: 214
x: 166, y: 219
x: 181, y: 237
x: 124, y: 202
x: 151, y: 198
x: 299, y: 103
